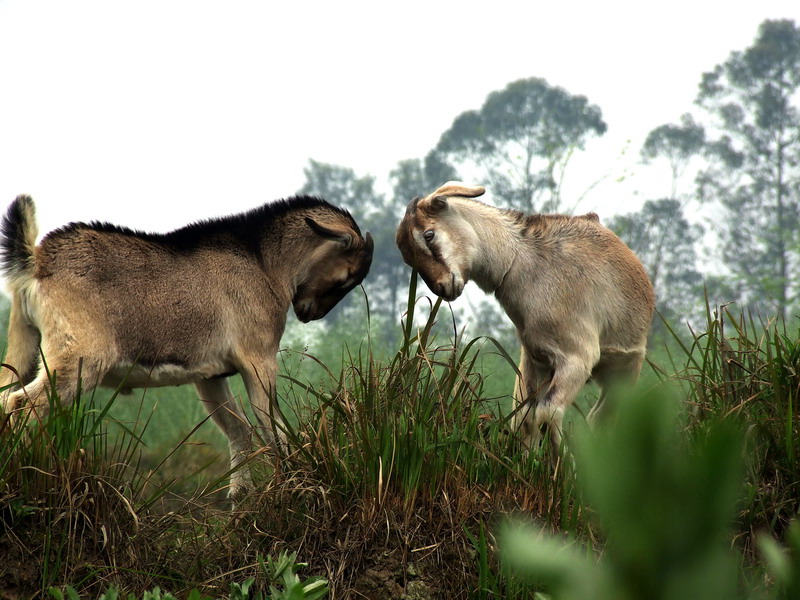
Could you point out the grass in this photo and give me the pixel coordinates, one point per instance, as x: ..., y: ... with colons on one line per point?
x: 749, y: 369
x: 402, y: 471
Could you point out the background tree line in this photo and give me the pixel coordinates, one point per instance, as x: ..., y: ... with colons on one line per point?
x: 736, y: 157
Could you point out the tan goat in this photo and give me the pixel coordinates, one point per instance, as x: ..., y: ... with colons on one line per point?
x: 195, y: 305
x: 579, y: 298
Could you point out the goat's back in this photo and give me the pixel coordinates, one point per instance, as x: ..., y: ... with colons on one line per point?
x: 576, y: 268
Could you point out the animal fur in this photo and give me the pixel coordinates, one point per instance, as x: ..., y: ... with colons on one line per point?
x: 578, y: 296
x: 133, y: 309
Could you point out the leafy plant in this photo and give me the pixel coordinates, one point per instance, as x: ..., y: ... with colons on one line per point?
x: 783, y: 564
x: 280, y: 576
x: 665, y: 502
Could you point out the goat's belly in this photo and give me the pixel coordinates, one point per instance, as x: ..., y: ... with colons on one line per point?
x: 613, y: 357
x: 136, y: 376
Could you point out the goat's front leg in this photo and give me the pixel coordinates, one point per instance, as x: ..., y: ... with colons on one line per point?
x: 227, y: 414
x: 260, y: 381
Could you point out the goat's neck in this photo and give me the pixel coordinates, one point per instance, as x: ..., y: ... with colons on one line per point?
x: 494, y: 247
x: 285, y: 249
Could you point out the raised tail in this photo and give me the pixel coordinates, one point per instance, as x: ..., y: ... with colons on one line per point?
x: 18, y: 241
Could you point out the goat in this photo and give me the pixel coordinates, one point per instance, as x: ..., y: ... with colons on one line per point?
x: 578, y: 296
x: 121, y: 308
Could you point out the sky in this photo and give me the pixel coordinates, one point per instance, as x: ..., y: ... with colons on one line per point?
x: 154, y: 114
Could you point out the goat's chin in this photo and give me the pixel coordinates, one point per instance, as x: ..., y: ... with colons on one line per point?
x: 305, y: 312
x: 450, y: 290
x: 450, y: 296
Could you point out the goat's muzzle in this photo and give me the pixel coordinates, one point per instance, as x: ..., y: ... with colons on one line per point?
x: 447, y: 289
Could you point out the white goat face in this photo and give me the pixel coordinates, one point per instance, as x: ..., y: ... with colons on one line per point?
x: 437, y: 242
x: 336, y: 269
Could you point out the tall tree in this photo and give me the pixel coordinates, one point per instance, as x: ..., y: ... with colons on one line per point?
x: 521, y: 141
x: 755, y: 172
x: 415, y: 177
x: 341, y: 185
x: 660, y: 233
x: 678, y: 144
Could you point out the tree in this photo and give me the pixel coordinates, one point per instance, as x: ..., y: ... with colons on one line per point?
x: 676, y: 143
x: 665, y: 242
x: 754, y: 170
x: 340, y: 185
x: 659, y: 233
x: 415, y: 177
x: 521, y: 141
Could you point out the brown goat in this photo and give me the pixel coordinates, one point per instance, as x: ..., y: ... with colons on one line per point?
x: 579, y: 298
x: 116, y: 307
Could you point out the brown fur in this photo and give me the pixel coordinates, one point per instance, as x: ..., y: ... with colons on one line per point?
x: 579, y: 298
x: 192, y: 306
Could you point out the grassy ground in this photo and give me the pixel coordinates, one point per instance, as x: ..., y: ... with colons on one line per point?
x: 403, y: 479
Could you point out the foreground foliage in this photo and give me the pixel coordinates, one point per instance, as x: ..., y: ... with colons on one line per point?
x: 664, y: 501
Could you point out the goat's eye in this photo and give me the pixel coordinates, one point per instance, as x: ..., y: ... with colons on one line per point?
x: 428, y: 235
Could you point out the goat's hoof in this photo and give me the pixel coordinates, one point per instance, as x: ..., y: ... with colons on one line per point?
x: 9, y: 419
x: 238, y: 491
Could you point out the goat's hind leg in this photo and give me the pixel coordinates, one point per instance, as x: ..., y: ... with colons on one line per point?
x: 569, y: 376
x: 226, y: 413
x: 65, y: 374
x: 529, y: 383
x: 611, y: 379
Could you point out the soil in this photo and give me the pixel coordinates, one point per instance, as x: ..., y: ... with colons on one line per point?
x: 386, y: 578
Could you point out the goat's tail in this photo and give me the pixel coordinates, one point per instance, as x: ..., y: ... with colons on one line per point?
x: 18, y: 233
x: 18, y: 241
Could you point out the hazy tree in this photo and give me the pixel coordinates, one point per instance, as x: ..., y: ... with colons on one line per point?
x: 755, y: 162
x: 415, y: 177
x: 659, y: 233
x: 678, y: 144
x: 341, y: 185
x: 520, y: 142
x: 665, y: 242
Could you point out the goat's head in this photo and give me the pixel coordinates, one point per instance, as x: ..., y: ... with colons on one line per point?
x: 434, y: 239
x: 338, y: 264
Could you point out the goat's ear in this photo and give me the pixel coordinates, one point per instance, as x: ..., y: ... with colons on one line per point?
x: 439, y: 204
x: 343, y: 236
x: 456, y: 188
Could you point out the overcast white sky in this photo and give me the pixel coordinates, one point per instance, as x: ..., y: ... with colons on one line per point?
x: 152, y: 114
